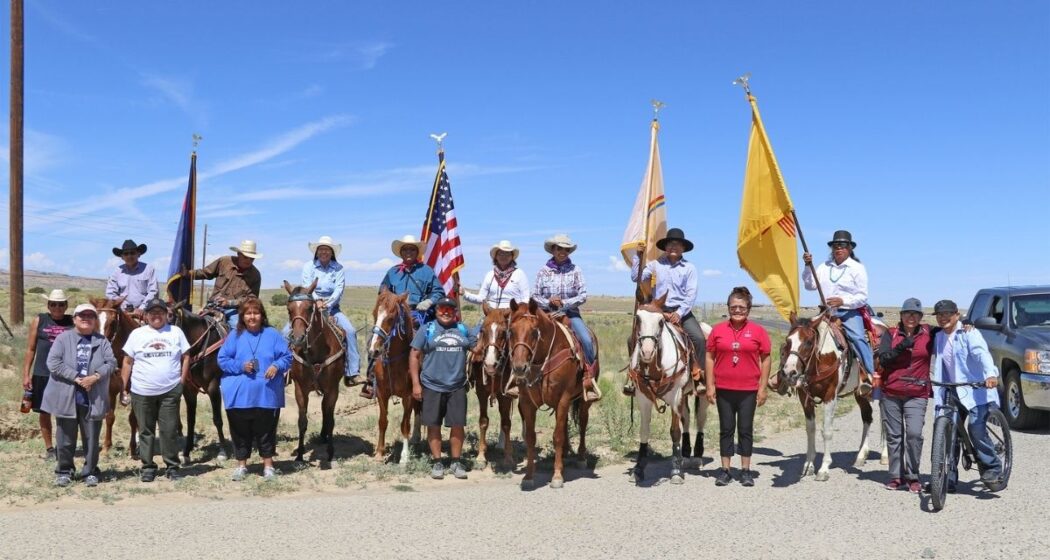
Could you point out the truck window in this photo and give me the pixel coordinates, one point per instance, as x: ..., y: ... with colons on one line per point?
x: 998, y: 309
x: 980, y: 306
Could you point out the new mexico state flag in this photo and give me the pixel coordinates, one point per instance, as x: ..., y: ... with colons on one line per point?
x: 650, y: 202
x: 766, y: 243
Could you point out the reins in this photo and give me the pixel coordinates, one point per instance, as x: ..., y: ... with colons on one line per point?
x: 308, y: 324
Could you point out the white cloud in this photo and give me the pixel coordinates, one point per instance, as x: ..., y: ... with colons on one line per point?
x: 292, y: 264
x: 179, y: 92
x: 711, y: 272
x: 381, y: 264
x: 616, y: 264
x: 313, y: 90
x: 112, y: 263
x: 40, y: 261
x: 364, y: 55
x: 161, y: 266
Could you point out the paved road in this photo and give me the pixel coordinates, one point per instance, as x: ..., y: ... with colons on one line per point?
x: 596, y: 515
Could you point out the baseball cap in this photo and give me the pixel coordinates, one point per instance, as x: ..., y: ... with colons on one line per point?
x: 912, y: 304
x: 156, y: 303
x: 447, y: 302
x: 84, y: 307
x: 945, y: 306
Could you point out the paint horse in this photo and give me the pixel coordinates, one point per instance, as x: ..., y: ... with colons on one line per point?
x: 116, y: 324
x: 319, y: 360
x: 388, y: 351
x: 660, y: 368
x: 813, y: 362
x: 547, y: 366
x: 490, y: 372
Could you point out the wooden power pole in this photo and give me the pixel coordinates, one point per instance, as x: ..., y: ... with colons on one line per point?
x: 17, y: 284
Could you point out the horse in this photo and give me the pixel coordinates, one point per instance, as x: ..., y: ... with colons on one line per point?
x: 115, y: 324
x: 660, y: 368
x: 205, y: 335
x: 812, y: 361
x: 320, y: 358
x: 548, y: 368
x: 388, y: 351
x: 490, y: 372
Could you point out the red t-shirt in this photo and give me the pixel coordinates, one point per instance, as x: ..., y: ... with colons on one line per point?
x: 751, y: 343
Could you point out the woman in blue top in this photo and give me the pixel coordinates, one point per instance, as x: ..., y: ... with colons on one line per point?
x: 330, y: 283
x: 254, y: 360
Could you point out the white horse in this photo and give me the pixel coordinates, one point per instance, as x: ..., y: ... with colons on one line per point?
x: 660, y: 368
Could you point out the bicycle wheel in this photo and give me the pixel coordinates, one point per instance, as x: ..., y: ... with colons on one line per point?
x: 999, y: 432
x: 941, y: 456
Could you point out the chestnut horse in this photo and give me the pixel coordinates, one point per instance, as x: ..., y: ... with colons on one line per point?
x: 812, y: 362
x: 490, y: 372
x: 388, y: 350
x: 116, y: 324
x: 205, y: 335
x: 547, y: 366
x: 320, y: 357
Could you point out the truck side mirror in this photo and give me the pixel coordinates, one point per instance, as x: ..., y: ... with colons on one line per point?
x: 987, y: 323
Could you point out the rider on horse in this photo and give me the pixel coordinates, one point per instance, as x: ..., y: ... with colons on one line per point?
x: 845, y: 284
x: 677, y: 278
x: 236, y: 279
x: 560, y: 290
x: 330, y: 283
x: 134, y: 283
x: 504, y: 282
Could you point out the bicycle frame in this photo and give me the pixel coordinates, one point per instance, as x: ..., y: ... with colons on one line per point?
x: 959, y: 434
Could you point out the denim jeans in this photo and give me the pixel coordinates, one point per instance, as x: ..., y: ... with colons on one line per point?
x: 580, y: 328
x: 353, y: 355
x: 975, y: 419
x: 853, y: 324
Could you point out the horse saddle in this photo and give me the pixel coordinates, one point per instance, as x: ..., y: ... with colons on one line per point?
x: 565, y: 324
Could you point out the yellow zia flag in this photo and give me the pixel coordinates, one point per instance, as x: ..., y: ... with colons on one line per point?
x: 766, y: 243
x: 648, y: 222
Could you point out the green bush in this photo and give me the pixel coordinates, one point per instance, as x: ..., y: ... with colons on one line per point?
x: 35, y: 290
x: 73, y: 290
x: 279, y: 300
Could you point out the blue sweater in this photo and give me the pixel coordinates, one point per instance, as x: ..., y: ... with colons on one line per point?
x: 253, y: 390
x: 421, y: 283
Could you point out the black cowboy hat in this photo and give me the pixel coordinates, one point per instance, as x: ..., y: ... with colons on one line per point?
x: 129, y: 245
x: 675, y: 234
x: 842, y: 236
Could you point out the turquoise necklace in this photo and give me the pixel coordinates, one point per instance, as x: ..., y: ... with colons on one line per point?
x: 831, y: 275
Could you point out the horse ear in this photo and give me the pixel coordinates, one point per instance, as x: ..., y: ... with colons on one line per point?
x: 513, y: 305
x: 288, y: 287
x: 793, y: 318
x: 403, y: 297
x: 661, y: 300
x: 533, y: 306
x: 313, y: 285
x: 485, y: 309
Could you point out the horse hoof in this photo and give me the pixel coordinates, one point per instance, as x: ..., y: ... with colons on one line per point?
x: 557, y: 483
x: 300, y: 464
x: 677, y: 479
x: 528, y: 484
x: 884, y: 460
x: 480, y: 464
x: 822, y: 477
x: 221, y: 457
x: 637, y: 477
x: 859, y: 463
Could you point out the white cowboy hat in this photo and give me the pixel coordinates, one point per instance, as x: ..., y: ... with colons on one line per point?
x: 56, y: 295
x: 507, y: 246
x: 561, y: 240
x: 326, y: 241
x: 247, y: 249
x: 406, y: 240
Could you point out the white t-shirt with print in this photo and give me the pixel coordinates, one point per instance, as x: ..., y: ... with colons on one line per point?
x: 158, y: 359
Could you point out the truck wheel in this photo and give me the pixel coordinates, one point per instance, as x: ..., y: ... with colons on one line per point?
x: 1017, y: 413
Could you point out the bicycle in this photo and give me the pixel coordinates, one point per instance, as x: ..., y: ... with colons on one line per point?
x: 948, y: 432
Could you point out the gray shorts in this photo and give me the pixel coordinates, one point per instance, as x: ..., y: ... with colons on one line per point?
x: 450, y: 407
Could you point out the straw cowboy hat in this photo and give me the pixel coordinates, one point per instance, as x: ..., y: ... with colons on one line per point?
x: 406, y: 240
x: 129, y: 245
x: 326, y: 241
x: 507, y: 246
x: 561, y: 240
x: 56, y: 295
x: 247, y: 249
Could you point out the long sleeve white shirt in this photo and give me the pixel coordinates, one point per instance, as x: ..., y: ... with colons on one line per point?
x: 517, y: 288
x: 848, y: 281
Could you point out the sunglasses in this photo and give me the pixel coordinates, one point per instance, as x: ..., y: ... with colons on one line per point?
x: 840, y: 245
x: 57, y: 304
x: 738, y: 308
x: 130, y: 253
x: 87, y: 316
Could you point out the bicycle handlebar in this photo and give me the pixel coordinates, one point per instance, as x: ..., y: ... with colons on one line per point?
x: 975, y: 385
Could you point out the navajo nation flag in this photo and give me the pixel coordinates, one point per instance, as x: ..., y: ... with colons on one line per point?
x: 443, y: 252
x: 182, y: 253
x: 648, y: 221
x: 766, y: 244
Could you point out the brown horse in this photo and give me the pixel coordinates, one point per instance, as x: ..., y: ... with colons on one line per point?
x: 320, y: 357
x: 548, y: 368
x: 205, y: 335
x: 490, y: 372
x: 388, y: 350
x: 812, y: 362
x: 115, y: 324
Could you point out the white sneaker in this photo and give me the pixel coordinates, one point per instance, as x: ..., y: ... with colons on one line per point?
x: 269, y: 473
x: 239, y: 473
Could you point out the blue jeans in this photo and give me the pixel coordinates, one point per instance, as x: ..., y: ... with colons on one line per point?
x: 584, y: 335
x: 853, y: 324
x: 353, y: 356
x: 231, y: 317
x: 975, y: 419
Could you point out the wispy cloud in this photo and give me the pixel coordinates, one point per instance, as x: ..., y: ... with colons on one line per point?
x: 616, y: 264
x: 381, y: 264
x: 364, y: 56
x: 710, y: 272
x: 311, y: 91
x: 292, y: 264
x: 178, y: 91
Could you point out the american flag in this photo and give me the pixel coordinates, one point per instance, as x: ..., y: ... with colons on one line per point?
x: 443, y: 252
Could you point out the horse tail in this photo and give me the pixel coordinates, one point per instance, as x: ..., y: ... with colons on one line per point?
x: 575, y: 412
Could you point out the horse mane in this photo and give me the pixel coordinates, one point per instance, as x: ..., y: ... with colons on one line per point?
x: 103, y: 303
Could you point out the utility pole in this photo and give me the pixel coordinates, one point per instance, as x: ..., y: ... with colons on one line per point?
x: 17, y: 125
x: 204, y: 262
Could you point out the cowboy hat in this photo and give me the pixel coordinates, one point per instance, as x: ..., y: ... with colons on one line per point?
x: 561, y: 240
x: 247, y: 249
x: 406, y: 240
x: 326, y: 241
x: 129, y: 245
x: 842, y: 236
x: 675, y: 234
x: 507, y: 246
x: 56, y: 295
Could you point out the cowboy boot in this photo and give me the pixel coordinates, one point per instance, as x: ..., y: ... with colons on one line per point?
x: 628, y: 387
x: 511, y: 390
x: 591, y: 392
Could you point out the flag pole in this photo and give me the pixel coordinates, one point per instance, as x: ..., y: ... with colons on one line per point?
x: 204, y: 263
x: 657, y: 105
x: 425, y: 237
x: 805, y: 248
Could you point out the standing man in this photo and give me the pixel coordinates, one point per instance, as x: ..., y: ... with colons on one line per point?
x: 962, y: 356
x: 675, y: 277
x: 155, y: 367
x: 442, y: 345
x: 42, y: 334
x: 236, y: 278
x: 133, y: 283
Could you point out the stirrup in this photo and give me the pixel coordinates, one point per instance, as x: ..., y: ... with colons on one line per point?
x: 629, y: 389
x: 592, y: 393
x: 367, y: 392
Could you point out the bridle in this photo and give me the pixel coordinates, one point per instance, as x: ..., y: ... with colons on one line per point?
x: 809, y: 371
x: 306, y: 342
x: 500, y: 345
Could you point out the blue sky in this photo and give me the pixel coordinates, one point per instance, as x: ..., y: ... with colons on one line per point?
x: 922, y: 127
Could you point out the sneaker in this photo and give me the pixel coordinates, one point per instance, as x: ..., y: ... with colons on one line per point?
x: 437, y: 472
x: 990, y: 476
x: 457, y: 470
x: 91, y: 481
x: 894, y: 484
x: 914, y: 487
x: 63, y: 480
x: 269, y: 473
x: 723, y: 477
x: 148, y: 476
x: 50, y: 455
x: 239, y: 473
x: 173, y: 474
x: 746, y: 479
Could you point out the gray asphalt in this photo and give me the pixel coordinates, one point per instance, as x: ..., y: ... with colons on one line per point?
x: 596, y: 515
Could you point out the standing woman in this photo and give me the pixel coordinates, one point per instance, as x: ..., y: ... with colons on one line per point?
x: 254, y: 360
x: 80, y: 361
x: 737, y: 371
x: 42, y: 334
x: 331, y: 281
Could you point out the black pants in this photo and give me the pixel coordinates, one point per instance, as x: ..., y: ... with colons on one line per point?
x: 736, y: 413
x: 253, y: 426
x: 66, y: 442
